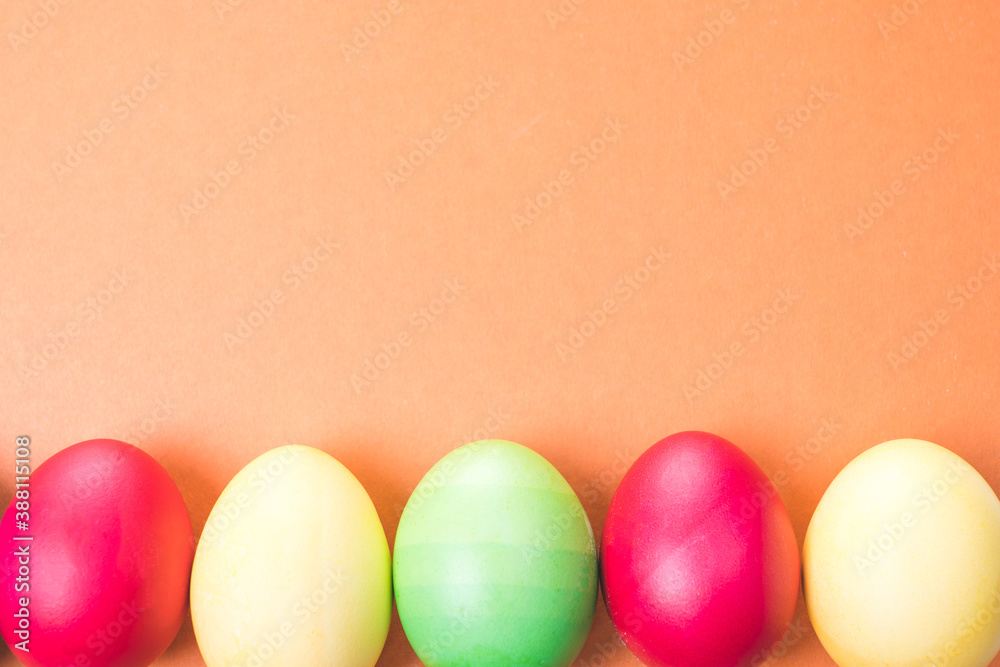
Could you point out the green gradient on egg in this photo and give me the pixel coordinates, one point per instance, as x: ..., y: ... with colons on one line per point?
x: 495, y: 561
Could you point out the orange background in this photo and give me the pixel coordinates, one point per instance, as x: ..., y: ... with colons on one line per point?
x: 162, y: 363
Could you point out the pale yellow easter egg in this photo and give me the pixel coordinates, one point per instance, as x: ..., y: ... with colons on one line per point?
x: 292, y: 567
x: 901, y: 561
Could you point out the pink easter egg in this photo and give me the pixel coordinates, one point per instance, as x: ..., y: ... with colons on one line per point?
x: 103, y: 581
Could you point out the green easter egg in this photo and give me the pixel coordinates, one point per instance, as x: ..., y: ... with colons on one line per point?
x: 495, y: 562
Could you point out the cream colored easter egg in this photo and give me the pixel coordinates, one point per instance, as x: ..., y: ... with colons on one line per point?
x: 902, y: 561
x: 292, y: 568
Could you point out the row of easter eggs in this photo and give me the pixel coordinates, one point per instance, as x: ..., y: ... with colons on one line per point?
x: 495, y: 562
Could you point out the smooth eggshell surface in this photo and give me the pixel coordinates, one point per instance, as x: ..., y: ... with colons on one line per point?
x: 495, y: 561
x: 902, y: 561
x: 292, y: 568
x: 109, y: 560
x: 699, y: 563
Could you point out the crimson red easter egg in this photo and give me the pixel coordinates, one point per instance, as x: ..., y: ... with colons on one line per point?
x: 699, y: 563
x: 103, y: 579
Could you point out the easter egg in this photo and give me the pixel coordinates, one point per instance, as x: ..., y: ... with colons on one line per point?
x: 699, y: 563
x: 292, y: 567
x: 495, y: 562
x: 902, y: 561
x: 96, y: 560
